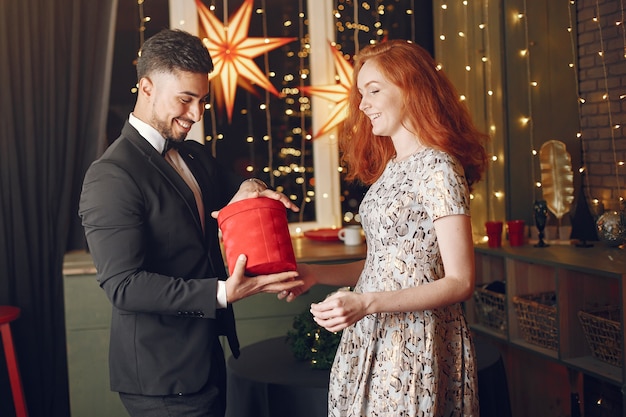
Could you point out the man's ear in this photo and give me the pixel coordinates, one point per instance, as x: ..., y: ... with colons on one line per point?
x: 146, y: 86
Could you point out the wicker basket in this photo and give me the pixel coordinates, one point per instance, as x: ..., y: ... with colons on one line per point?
x: 490, y: 308
x: 536, y: 315
x: 603, y: 333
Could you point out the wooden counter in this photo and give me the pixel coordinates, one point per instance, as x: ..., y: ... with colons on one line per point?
x: 310, y: 251
x: 305, y: 250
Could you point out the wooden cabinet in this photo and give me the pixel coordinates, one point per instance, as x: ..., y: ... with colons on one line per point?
x: 87, y: 323
x: 541, y: 378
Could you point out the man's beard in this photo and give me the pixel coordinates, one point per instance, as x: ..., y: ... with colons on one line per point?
x: 166, y: 130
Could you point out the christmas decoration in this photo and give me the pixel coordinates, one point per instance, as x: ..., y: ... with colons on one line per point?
x: 310, y: 342
x: 337, y: 93
x: 557, y: 177
x: 233, y: 52
x: 612, y: 228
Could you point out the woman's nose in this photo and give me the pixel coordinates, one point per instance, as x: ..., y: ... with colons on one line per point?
x: 363, y: 104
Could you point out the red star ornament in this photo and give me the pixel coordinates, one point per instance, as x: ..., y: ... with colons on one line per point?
x: 337, y: 93
x: 233, y: 52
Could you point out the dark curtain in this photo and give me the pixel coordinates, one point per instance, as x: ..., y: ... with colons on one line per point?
x: 55, y: 64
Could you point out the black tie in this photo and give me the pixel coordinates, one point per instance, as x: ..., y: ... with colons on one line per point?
x: 170, y: 144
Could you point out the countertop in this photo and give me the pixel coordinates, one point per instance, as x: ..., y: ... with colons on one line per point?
x: 305, y: 250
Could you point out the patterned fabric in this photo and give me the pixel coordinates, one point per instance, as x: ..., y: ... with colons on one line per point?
x: 407, y: 364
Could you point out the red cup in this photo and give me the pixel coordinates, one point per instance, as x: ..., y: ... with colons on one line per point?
x: 258, y: 228
x: 494, y: 233
x: 515, y: 230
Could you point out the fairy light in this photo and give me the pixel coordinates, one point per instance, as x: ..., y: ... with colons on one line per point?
x: 212, y: 108
x: 491, y: 174
x: 621, y: 97
x: 143, y: 19
x: 466, y: 67
x: 580, y: 101
x: 304, y: 106
x: 266, y: 108
x: 527, y: 121
x: 142, y: 23
x: 606, y: 96
x: 621, y: 24
x: 443, y: 7
x: 467, y: 48
x: 411, y: 12
x: 357, y: 27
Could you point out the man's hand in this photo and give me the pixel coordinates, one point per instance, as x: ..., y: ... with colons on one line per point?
x: 239, y: 286
x: 254, y: 188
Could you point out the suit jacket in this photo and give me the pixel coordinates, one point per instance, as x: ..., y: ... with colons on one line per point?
x: 156, y: 266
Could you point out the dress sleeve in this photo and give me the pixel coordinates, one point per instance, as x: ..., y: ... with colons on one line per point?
x: 446, y: 190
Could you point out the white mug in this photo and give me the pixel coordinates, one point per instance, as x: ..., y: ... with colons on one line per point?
x: 351, y: 235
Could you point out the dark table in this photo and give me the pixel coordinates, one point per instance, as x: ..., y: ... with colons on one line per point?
x: 267, y: 381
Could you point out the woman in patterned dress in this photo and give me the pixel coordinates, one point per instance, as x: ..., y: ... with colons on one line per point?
x: 406, y: 349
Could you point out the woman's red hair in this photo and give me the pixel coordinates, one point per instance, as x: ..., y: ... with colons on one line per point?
x: 432, y: 109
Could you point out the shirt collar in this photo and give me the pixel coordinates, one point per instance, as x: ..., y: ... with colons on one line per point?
x: 148, y: 132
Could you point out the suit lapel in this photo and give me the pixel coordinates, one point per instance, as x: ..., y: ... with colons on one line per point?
x: 165, y: 169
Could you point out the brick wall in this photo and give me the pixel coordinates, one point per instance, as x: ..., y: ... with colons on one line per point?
x: 603, y: 121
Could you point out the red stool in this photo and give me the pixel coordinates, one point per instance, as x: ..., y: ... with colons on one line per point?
x: 7, y: 315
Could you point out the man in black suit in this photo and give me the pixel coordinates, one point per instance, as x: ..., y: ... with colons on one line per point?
x: 150, y: 230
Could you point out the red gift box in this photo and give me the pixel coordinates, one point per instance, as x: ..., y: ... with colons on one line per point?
x: 258, y: 228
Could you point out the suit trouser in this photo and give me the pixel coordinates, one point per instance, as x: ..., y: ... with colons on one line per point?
x: 210, y: 401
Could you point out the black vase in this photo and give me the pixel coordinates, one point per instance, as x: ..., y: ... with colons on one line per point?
x: 583, y: 222
x: 540, y: 209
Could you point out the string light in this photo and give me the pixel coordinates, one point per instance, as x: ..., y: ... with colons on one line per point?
x: 621, y: 24
x: 499, y: 195
x: 448, y: 14
x: 606, y: 96
x: 466, y: 48
x: 142, y: 23
x: 527, y: 121
x: 579, y: 102
x: 143, y: 19
x: 468, y: 61
x: 268, y: 116
x: 442, y: 35
x: 307, y: 195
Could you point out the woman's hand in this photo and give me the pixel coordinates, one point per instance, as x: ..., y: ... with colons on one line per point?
x: 339, y: 310
x: 308, y: 278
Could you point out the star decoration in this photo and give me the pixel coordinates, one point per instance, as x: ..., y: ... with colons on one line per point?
x: 337, y: 93
x: 233, y: 52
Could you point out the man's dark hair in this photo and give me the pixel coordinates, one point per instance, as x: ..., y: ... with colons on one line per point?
x: 171, y: 50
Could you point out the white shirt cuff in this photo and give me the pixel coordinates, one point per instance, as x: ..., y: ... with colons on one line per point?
x: 222, y: 300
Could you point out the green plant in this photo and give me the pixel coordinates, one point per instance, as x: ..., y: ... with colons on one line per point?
x: 311, y: 342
